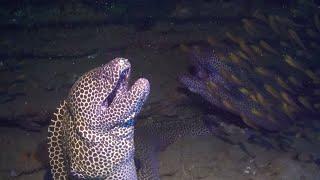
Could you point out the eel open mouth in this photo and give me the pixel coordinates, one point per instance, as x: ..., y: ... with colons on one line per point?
x: 123, y: 78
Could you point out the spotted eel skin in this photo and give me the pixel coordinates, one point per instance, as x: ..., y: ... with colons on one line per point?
x: 155, y: 137
x: 92, y: 134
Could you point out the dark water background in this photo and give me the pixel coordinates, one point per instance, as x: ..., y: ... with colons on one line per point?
x: 46, y: 45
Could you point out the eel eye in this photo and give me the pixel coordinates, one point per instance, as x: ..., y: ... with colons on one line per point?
x: 129, y: 123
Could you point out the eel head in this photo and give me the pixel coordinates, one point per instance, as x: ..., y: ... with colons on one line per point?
x: 102, y: 100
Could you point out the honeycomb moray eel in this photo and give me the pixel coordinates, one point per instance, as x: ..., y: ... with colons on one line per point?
x: 92, y: 134
x: 154, y: 137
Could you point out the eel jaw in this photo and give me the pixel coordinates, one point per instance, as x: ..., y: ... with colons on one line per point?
x: 121, y: 85
x: 142, y: 86
x: 119, y: 70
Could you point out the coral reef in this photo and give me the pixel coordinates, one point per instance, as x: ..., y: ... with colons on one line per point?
x: 265, y: 72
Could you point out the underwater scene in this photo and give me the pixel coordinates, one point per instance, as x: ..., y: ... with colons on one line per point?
x: 160, y: 89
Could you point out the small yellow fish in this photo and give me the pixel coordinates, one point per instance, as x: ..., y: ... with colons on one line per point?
x: 282, y: 83
x: 271, y: 90
x: 228, y: 105
x: 257, y: 50
x: 244, y: 47
x: 261, y: 100
x: 234, y: 58
x: 235, y: 80
x: 295, y: 38
x: 256, y: 112
x: 246, y: 120
x: 288, y: 59
x: 286, y: 97
x: 273, y: 24
x: 233, y: 38
x: 224, y: 73
x: 305, y: 102
x: 263, y: 71
x: 249, y: 27
x: 253, y: 98
x: 213, y: 87
x: 267, y: 47
x: 244, y: 91
x: 288, y: 110
x: 313, y: 76
x: 243, y: 55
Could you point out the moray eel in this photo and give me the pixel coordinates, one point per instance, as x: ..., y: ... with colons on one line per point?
x: 155, y: 137
x: 92, y: 134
